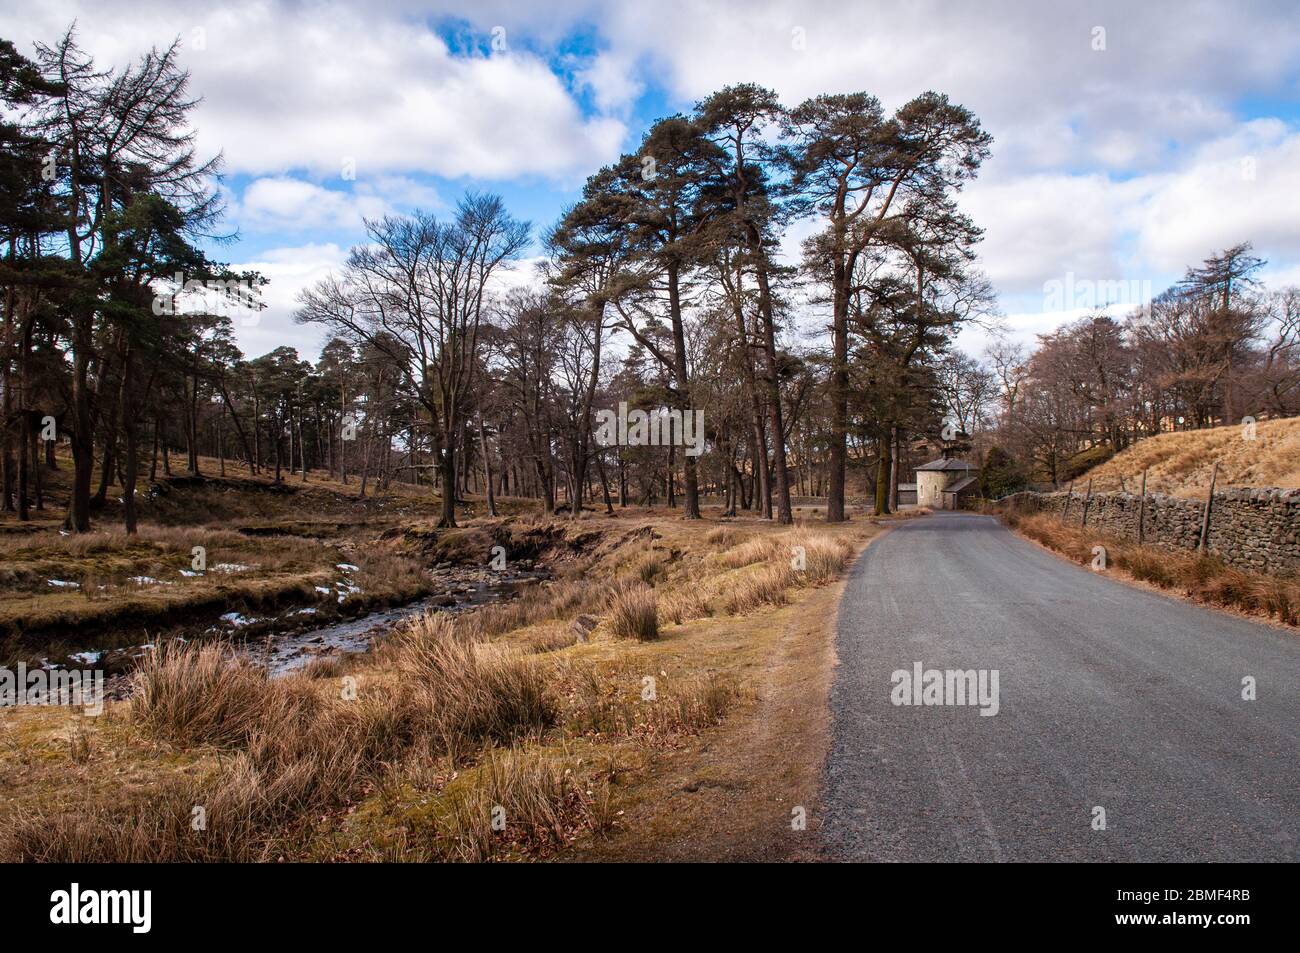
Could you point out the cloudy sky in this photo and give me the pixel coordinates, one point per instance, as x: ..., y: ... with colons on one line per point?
x: 1130, y: 140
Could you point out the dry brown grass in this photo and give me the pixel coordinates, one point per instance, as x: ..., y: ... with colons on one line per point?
x: 542, y: 603
x: 682, y: 604
x: 765, y: 585
x: 723, y: 537
x: 1204, y: 578
x: 468, y: 691
x: 771, y: 566
x: 634, y: 614
x: 753, y: 550
x: 193, y: 695
x: 296, y: 757
x: 536, y: 802
x: 620, y: 703
x: 1180, y: 463
x: 282, y: 766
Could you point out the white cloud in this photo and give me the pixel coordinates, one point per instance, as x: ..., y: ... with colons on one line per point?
x: 1113, y: 165
x: 1040, y: 227
x: 289, y: 270
x: 289, y: 86
x: 284, y: 204
x: 613, y: 80
x: 1025, y: 327
x: 1243, y: 187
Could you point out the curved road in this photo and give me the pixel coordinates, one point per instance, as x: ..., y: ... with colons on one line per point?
x: 1109, y: 697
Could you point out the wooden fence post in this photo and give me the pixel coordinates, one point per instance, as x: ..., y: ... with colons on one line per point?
x: 1087, y: 501
x: 1209, y: 504
x: 1142, y: 509
x: 1069, y: 495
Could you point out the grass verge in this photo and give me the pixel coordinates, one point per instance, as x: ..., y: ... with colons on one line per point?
x: 1200, y: 577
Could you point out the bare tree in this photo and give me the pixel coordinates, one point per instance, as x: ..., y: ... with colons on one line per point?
x: 417, y: 293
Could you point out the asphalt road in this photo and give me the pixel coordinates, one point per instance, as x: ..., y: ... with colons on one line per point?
x: 1109, y: 696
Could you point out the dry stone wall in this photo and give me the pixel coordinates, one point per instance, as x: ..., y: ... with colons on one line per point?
x: 1250, y: 528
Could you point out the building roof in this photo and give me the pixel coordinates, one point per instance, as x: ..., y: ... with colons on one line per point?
x: 961, y: 485
x: 946, y: 465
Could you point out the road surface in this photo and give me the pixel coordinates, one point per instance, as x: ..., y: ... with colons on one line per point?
x: 1109, y: 696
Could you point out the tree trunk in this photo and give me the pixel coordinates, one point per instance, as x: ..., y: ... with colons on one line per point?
x: 783, y: 511
x: 691, y: 478
x: 132, y: 450
x: 487, y: 469
x: 449, y: 486
x: 839, y: 395
x: 83, y: 435
x: 893, y: 471
x: 882, y: 475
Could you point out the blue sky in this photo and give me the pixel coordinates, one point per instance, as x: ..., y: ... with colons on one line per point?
x: 1130, y: 140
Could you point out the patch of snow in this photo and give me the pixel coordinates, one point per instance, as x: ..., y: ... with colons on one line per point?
x: 191, y: 572
x: 86, y: 658
x: 347, y: 567
x: 230, y: 567
x: 64, y: 584
x: 237, y: 620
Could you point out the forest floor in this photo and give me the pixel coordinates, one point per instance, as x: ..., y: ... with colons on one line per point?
x: 659, y: 694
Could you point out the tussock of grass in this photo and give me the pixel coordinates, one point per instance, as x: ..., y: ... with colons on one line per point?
x: 634, y: 614
x: 681, y: 605
x: 614, y: 705
x: 765, y: 585
x: 651, y: 567
x: 194, y: 695
x: 472, y: 691
x: 539, y: 801
x: 724, y: 537
x: 326, y: 666
x: 772, y: 565
x: 754, y: 550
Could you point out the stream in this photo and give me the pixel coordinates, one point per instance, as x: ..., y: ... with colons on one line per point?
x: 287, y: 642
x: 291, y: 651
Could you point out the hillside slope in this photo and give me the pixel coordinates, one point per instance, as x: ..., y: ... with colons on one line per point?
x: 1180, y: 463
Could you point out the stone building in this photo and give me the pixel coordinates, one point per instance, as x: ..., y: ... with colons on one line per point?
x: 942, y: 484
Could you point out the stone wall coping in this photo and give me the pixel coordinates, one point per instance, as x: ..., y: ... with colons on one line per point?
x: 1268, y: 494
